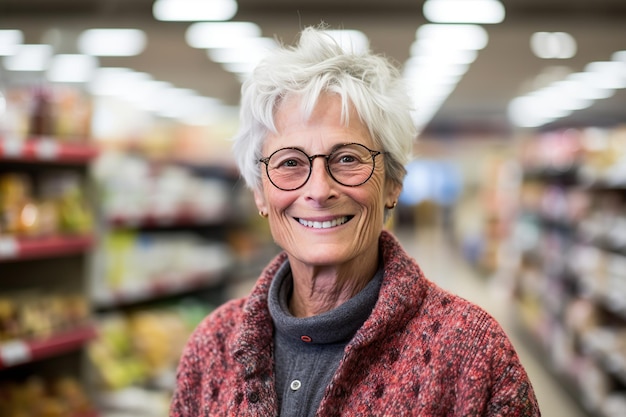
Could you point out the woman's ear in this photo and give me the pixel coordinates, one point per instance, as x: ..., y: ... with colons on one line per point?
x: 259, y: 200
x: 393, y: 193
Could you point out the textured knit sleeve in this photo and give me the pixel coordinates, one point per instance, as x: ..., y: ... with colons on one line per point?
x: 185, y: 402
x: 512, y: 393
x: 509, y: 392
x: 203, y: 363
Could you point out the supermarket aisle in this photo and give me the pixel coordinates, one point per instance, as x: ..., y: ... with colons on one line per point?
x: 442, y: 264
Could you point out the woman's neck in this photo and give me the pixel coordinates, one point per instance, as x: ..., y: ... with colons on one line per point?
x: 319, y: 289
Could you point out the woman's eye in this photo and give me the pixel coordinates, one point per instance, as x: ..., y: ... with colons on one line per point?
x: 291, y: 163
x: 345, y: 158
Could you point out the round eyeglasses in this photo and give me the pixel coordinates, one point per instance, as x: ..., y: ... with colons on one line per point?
x: 349, y: 164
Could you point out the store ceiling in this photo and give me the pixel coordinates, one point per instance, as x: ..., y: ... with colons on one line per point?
x: 503, y: 70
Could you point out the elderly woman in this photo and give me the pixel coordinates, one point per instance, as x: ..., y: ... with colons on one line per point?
x: 342, y: 322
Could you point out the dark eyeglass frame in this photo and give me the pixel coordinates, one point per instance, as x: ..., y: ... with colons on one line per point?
x: 373, y: 154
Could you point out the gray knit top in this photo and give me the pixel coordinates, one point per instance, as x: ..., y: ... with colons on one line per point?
x: 308, y: 350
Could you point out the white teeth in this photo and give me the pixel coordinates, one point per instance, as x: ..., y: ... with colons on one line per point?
x: 324, y: 225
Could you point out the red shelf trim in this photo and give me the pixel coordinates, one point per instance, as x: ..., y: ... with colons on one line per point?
x: 40, y: 150
x: 178, y: 218
x: 36, y: 349
x: 42, y: 247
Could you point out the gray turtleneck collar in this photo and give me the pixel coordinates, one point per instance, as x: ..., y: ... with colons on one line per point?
x: 334, y: 326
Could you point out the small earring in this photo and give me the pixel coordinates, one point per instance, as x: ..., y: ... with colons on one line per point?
x: 393, y: 205
x: 262, y: 214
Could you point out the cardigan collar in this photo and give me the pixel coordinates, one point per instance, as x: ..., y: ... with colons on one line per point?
x: 400, y: 296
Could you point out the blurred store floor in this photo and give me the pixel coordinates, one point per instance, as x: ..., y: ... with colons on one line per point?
x: 443, y: 264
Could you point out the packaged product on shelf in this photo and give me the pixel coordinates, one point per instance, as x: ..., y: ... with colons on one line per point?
x: 73, y: 115
x: 64, y: 189
x: 14, y: 121
x: 59, y: 207
x: 19, y: 214
x: 124, y: 181
x: 116, y: 363
x: 141, y: 347
x: 60, y: 397
x: 137, y: 188
x: 158, y: 337
x: 137, y: 261
x: 42, y: 113
x: 35, y: 315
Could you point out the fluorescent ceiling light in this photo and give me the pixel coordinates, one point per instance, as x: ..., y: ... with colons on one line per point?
x: 220, y: 34
x: 619, y: 56
x: 112, y: 42
x: 553, y: 45
x: 471, y: 37
x: 10, y: 40
x: 350, y: 40
x: 610, y: 74
x: 575, y: 92
x: 114, y: 81
x: 198, y: 110
x: 434, y: 69
x: 72, y: 68
x: 148, y: 94
x: 428, y: 51
x: 243, y: 68
x: 174, y: 103
x: 590, y: 86
x: 464, y: 11
x: 29, y: 58
x: 249, y: 50
x: 440, y: 56
x: 194, y: 10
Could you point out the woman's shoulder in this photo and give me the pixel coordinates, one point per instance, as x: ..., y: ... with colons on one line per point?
x: 219, y: 325
x: 458, y: 313
x: 227, y: 314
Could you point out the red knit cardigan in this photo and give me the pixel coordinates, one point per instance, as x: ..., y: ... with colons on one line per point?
x: 422, y: 352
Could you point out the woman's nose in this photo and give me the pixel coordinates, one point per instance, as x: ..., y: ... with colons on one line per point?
x: 320, y: 183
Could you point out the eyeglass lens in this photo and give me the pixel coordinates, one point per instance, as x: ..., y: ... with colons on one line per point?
x: 350, y: 165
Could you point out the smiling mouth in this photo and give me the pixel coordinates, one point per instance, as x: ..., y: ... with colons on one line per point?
x: 325, y: 224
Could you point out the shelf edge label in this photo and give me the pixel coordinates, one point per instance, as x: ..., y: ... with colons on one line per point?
x: 14, y: 353
x: 47, y: 149
x: 12, y: 147
x: 9, y: 248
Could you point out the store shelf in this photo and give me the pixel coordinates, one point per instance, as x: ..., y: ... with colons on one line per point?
x: 569, y: 278
x: 178, y: 218
x: 161, y: 287
x: 18, y: 352
x: 45, y: 150
x: 12, y: 248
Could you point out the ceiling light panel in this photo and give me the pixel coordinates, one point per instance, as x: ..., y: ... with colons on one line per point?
x: 207, y: 35
x: 30, y: 57
x: 72, y: 68
x: 10, y: 40
x: 194, y: 10
x: 464, y: 11
x: 576, y: 91
x: 112, y: 42
x: 246, y: 51
x: 553, y: 45
x: 440, y: 57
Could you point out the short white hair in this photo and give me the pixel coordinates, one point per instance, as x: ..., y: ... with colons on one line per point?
x: 319, y: 65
